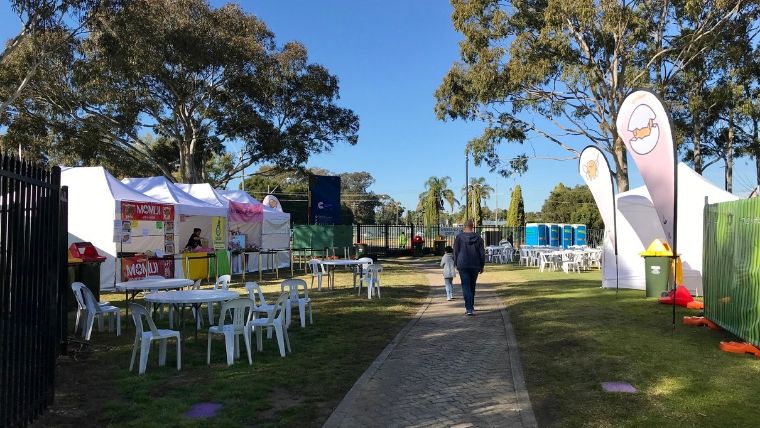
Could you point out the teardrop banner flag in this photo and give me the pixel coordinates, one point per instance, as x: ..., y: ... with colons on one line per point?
x: 595, y: 171
x: 645, y: 127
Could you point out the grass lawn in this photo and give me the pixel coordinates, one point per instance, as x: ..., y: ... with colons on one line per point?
x: 573, y: 336
x: 94, y: 387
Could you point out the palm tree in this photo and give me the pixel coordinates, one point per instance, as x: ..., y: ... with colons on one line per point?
x: 479, y: 191
x: 431, y: 200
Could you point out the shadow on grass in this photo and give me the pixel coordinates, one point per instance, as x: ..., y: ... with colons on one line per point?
x: 94, y: 386
x: 573, y: 335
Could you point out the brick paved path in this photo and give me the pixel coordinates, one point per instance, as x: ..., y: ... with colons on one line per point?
x: 444, y: 369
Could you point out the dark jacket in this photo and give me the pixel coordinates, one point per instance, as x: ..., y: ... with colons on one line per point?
x: 469, y: 251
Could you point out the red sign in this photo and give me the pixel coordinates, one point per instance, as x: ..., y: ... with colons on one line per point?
x: 149, y: 211
x: 139, y: 267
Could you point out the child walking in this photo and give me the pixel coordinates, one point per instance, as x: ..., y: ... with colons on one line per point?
x: 449, y: 272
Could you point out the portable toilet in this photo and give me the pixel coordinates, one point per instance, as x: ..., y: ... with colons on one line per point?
x: 554, y: 235
x: 567, y: 235
x: 535, y: 234
x: 579, y: 235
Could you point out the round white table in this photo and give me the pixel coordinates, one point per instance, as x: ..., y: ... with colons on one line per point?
x: 150, y: 284
x: 194, y: 298
x: 331, y: 264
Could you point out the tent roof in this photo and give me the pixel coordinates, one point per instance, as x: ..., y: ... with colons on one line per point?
x: 98, y: 182
x: 240, y: 196
x: 163, y: 189
x: 204, y: 192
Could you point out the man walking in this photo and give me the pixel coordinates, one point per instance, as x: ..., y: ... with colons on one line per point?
x: 469, y: 257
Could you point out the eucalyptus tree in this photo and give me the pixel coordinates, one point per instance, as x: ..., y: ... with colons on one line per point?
x: 195, y: 77
x: 478, y: 191
x: 431, y: 200
x: 557, y: 71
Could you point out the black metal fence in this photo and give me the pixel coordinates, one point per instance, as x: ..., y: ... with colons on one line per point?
x: 392, y: 240
x: 33, y: 238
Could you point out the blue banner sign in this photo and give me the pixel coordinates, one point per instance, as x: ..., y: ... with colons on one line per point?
x: 324, y: 199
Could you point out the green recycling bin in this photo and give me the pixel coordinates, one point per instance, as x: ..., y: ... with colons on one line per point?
x: 361, y: 250
x: 658, y: 275
x: 439, y: 246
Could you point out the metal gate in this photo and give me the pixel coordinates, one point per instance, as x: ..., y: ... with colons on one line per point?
x: 33, y: 237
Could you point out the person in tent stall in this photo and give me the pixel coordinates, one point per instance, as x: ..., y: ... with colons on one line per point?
x: 195, y: 240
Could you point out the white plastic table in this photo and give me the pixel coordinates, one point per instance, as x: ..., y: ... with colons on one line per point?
x: 195, y: 298
x: 150, y: 284
x: 330, y: 264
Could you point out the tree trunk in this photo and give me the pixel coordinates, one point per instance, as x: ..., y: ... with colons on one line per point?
x: 621, y: 165
x: 697, y: 130
x: 730, y: 153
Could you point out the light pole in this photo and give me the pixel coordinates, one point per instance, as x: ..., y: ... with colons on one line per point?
x: 466, y: 184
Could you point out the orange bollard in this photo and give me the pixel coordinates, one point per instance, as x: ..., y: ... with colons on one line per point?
x: 740, y: 348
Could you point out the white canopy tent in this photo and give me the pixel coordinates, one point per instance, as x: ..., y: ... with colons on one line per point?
x: 638, y: 225
x: 95, y: 198
x: 252, y: 230
x: 192, y: 211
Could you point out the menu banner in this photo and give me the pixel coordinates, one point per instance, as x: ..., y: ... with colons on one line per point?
x: 149, y: 211
x: 139, y: 267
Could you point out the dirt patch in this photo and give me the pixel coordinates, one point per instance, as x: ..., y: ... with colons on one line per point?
x: 80, y: 393
x: 279, y: 400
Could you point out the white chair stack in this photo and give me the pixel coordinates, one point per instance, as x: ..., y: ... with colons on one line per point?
x: 297, y: 300
x: 91, y: 308
x: 360, y: 269
x: 372, y: 279
x: 317, y: 270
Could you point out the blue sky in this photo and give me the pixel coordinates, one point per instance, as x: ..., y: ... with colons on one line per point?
x: 390, y: 56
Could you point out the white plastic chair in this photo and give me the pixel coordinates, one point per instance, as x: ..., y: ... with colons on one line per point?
x: 144, y: 338
x: 524, y: 257
x: 295, y: 299
x: 573, y: 262
x: 372, y: 279
x: 222, y: 283
x: 276, y: 321
x: 358, y: 271
x: 95, y: 309
x: 260, y: 305
x: 82, y: 307
x: 317, y: 271
x: 547, y: 260
x: 240, y: 311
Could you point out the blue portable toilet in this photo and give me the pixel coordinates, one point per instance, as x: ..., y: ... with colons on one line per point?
x: 535, y: 234
x: 567, y: 235
x: 554, y: 235
x: 579, y: 231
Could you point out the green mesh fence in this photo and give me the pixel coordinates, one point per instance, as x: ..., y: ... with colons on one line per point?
x: 731, y: 267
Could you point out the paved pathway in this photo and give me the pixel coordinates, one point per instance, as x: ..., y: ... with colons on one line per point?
x: 444, y: 369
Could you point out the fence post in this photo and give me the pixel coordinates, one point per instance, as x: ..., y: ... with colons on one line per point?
x: 387, y: 247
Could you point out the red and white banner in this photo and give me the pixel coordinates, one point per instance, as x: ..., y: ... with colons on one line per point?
x: 246, y: 213
x: 645, y: 127
x: 595, y: 171
x: 139, y: 267
x: 149, y: 211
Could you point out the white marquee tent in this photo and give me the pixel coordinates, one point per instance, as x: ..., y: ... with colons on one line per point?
x: 95, y: 198
x: 192, y: 211
x: 252, y: 230
x: 638, y: 225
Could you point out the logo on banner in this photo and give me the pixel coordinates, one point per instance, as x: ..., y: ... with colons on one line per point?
x: 148, y: 211
x: 591, y: 169
x: 645, y: 132
x: 324, y: 205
